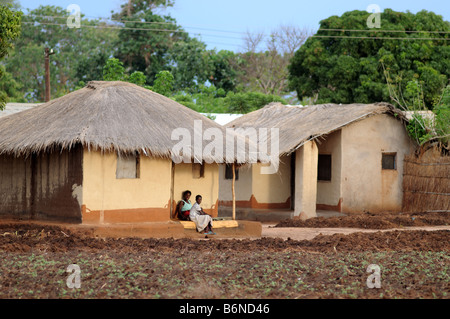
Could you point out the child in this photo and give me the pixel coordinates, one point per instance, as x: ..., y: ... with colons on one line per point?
x: 202, y: 220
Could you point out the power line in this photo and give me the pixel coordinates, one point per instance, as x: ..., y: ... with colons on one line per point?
x: 145, y: 22
x: 378, y: 38
x: 383, y: 31
x: 238, y: 32
x: 108, y: 27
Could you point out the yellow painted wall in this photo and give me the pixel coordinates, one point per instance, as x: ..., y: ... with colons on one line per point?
x: 365, y: 186
x: 329, y: 192
x: 102, y: 191
x: 208, y: 186
x: 272, y: 188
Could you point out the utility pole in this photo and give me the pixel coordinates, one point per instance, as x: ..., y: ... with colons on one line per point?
x: 47, y: 55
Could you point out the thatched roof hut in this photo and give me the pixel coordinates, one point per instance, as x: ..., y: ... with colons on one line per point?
x: 105, y: 153
x: 299, y: 124
x: 106, y: 116
x: 344, y: 158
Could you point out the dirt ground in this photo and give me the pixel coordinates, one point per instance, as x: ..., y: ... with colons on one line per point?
x: 414, y: 264
x: 372, y: 221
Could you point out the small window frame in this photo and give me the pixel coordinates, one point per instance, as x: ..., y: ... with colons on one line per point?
x: 384, y: 165
x: 137, y: 175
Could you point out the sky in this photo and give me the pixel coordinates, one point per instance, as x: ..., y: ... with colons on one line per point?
x: 222, y: 24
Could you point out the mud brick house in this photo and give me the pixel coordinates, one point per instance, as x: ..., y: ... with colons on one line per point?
x: 344, y: 158
x: 102, y: 154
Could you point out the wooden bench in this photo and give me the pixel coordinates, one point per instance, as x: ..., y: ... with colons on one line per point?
x: 216, y: 224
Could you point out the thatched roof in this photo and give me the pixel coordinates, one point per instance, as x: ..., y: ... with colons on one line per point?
x: 299, y: 124
x: 107, y: 116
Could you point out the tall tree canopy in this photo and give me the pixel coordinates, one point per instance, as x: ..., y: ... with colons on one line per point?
x: 147, y: 37
x: 338, y: 69
x: 79, y: 53
x: 266, y: 70
x: 10, y: 27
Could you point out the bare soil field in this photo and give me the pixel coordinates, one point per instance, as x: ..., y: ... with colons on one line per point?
x: 372, y: 221
x: 414, y: 264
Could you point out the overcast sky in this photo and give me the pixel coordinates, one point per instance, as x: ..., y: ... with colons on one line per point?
x: 222, y: 23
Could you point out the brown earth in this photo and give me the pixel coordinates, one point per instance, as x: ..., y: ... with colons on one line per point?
x: 35, y: 238
x: 34, y: 260
x: 372, y: 221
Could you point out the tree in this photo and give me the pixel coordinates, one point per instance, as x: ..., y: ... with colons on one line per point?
x: 266, y: 71
x: 10, y: 87
x: 146, y: 39
x: 188, y: 62
x: 213, y: 100
x: 193, y: 66
x: 442, y: 121
x: 246, y: 102
x: 131, y: 7
x: 113, y: 70
x: 163, y: 83
x: 77, y: 52
x: 10, y: 28
x: 223, y: 73
x: 346, y: 70
x: 205, y: 100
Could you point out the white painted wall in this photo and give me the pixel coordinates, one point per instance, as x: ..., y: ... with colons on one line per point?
x: 365, y: 186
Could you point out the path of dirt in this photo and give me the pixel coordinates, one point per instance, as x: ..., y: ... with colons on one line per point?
x: 368, y: 220
x: 303, y: 233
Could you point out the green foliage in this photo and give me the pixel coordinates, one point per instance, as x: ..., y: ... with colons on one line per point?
x: 344, y: 70
x: 419, y: 129
x: 206, y: 100
x: 90, y: 67
x: 223, y: 69
x: 80, y: 54
x: 189, y: 64
x: 113, y: 70
x: 246, y: 102
x: 163, y: 83
x: 213, y: 100
x: 143, y: 50
x: 10, y: 87
x: 423, y: 129
x: 442, y: 120
x: 131, y: 7
x: 83, y: 55
x: 10, y: 28
x: 137, y: 78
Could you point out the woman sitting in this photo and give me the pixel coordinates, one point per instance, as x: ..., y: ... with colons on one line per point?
x: 184, y: 206
x: 201, y: 219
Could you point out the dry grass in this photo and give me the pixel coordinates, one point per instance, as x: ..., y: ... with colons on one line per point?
x: 108, y: 116
x: 426, y: 182
x: 297, y: 124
